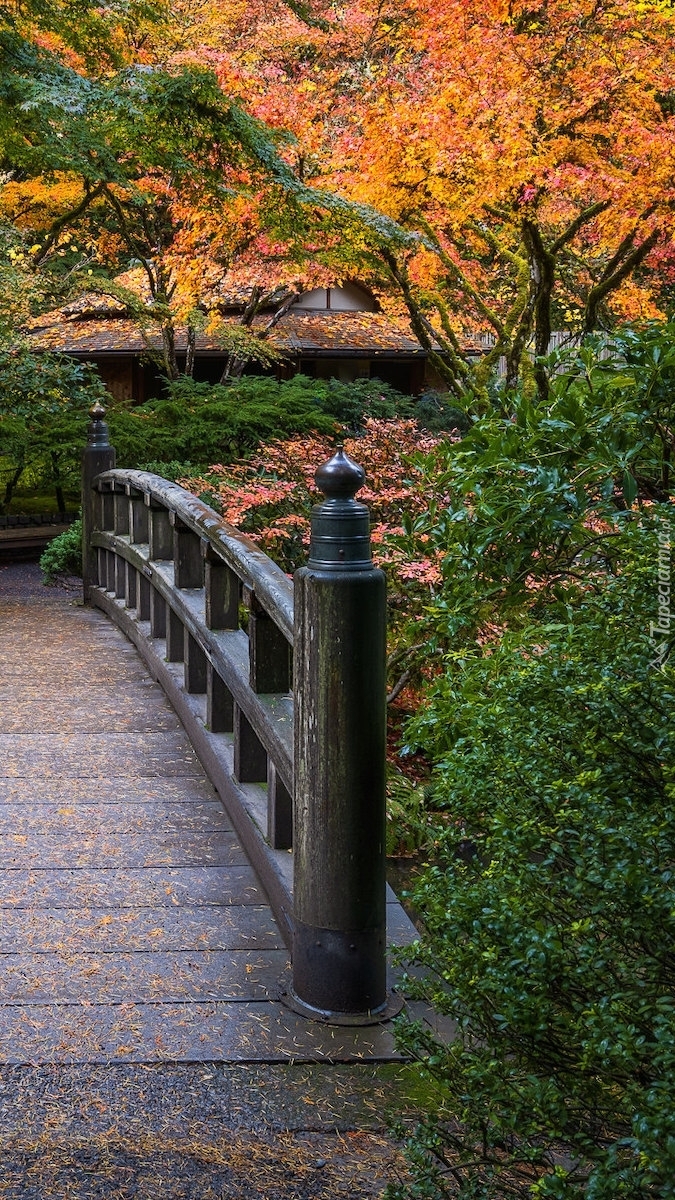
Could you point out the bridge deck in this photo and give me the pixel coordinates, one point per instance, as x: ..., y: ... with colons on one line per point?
x: 132, y: 928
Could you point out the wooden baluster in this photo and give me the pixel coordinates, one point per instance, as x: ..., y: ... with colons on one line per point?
x: 187, y: 555
x: 160, y: 535
x: 109, y: 571
x: 250, y: 757
x: 120, y: 576
x: 195, y: 664
x: 98, y: 456
x: 222, y: 591
x: 143, y: 597
x: 121, y: 510
x: 138, y: 522
x: 157, y: 614
x: 107, y: 507
x: 101, y: 567
x: 174, y: 637
x: 269, y: 653
x: 219, y: 703
x: 130, y: 590
x: 279, y: 811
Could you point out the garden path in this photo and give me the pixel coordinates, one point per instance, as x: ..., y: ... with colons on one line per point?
x: 132, y: 928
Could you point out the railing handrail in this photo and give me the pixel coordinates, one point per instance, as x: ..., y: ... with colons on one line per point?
x: 287, y: 715
x: 273, y: 589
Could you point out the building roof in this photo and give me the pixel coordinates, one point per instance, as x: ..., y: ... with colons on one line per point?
x: 79, y: 329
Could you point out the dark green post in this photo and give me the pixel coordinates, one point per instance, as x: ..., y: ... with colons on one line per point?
x: 98, y: 455
x: 339, y: 966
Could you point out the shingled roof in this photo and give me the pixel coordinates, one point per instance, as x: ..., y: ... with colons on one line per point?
x: 81, y: 330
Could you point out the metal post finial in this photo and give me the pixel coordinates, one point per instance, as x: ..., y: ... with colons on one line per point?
x: 340, y: 478
x: 97, y: 433
x: 340, y: 538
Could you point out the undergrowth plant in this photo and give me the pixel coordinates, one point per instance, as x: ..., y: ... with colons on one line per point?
x: 548, y: 901
x: 63, y: 555
x: 552, y: 942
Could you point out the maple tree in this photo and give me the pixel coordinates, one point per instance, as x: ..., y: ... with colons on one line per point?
x: 497, y: 168
x: 146, y: 167
x: 152, y: 166
x: 270, y: 494
x: 522, y: 154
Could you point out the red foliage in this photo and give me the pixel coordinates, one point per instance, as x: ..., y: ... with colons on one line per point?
x: 270, y: 495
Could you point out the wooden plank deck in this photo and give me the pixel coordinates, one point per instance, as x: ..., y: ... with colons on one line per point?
x: 132, y: 928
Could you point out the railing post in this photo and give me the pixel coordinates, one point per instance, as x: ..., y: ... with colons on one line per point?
x: 339, y: 966
x: 97, y: 456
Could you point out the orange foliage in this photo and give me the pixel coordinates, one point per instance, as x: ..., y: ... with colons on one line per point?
x: 512, y: 138
x: 529, y: 148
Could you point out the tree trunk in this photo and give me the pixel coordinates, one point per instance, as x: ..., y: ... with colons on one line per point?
x: 422, y: 328
x: 169, y: 351
x: 12, y: 483
x: 542, y: 279
x: 58, y: 486
x: 190, y: 352
x: 233, y: 368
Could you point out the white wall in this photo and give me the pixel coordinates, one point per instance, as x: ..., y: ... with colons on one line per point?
x: 348, y: 298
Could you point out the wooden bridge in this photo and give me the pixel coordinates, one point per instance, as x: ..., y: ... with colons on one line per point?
x: 147, y: 907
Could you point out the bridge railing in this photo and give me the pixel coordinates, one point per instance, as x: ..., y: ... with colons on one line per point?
x: 294, y: 760
x: 220, y: 607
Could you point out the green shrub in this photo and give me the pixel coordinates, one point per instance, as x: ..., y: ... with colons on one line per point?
x: 549, y: 909
x: 44, y: 403
x: 202, y: 423
x: 528, y: 501
x: 63, y: 555
x: 437, y: 412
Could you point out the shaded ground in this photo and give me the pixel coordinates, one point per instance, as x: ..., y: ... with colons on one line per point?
x: 220, y: 1131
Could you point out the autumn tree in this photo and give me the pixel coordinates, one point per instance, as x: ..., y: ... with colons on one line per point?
x: 498, y: 169
x: 112, y: 162
x: 523, y: 151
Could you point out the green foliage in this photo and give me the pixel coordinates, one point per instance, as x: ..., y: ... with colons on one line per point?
x: 548, y: 904
x: 552, y: 944
x: 353, y: 403
x: 44, y: 402
x: 63, y: 555
x: 530, y: 500
x: 200, y: 423
x: 648, y: 353
x: 410, y: 813
x: 206, y: 424
x: 436, y: 412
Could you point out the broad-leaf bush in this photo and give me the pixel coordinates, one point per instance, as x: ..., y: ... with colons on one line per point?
x: 63, y: 555
x: 548, y: 902
x: 530, y: 501
x: 549, y: 909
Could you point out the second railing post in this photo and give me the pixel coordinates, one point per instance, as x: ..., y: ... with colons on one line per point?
x: 98, y: 456
x: 339, y: 945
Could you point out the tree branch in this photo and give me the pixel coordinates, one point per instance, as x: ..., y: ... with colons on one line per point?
x: 610, y: 282
x: 588, y: 214
x: 61, y: 222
